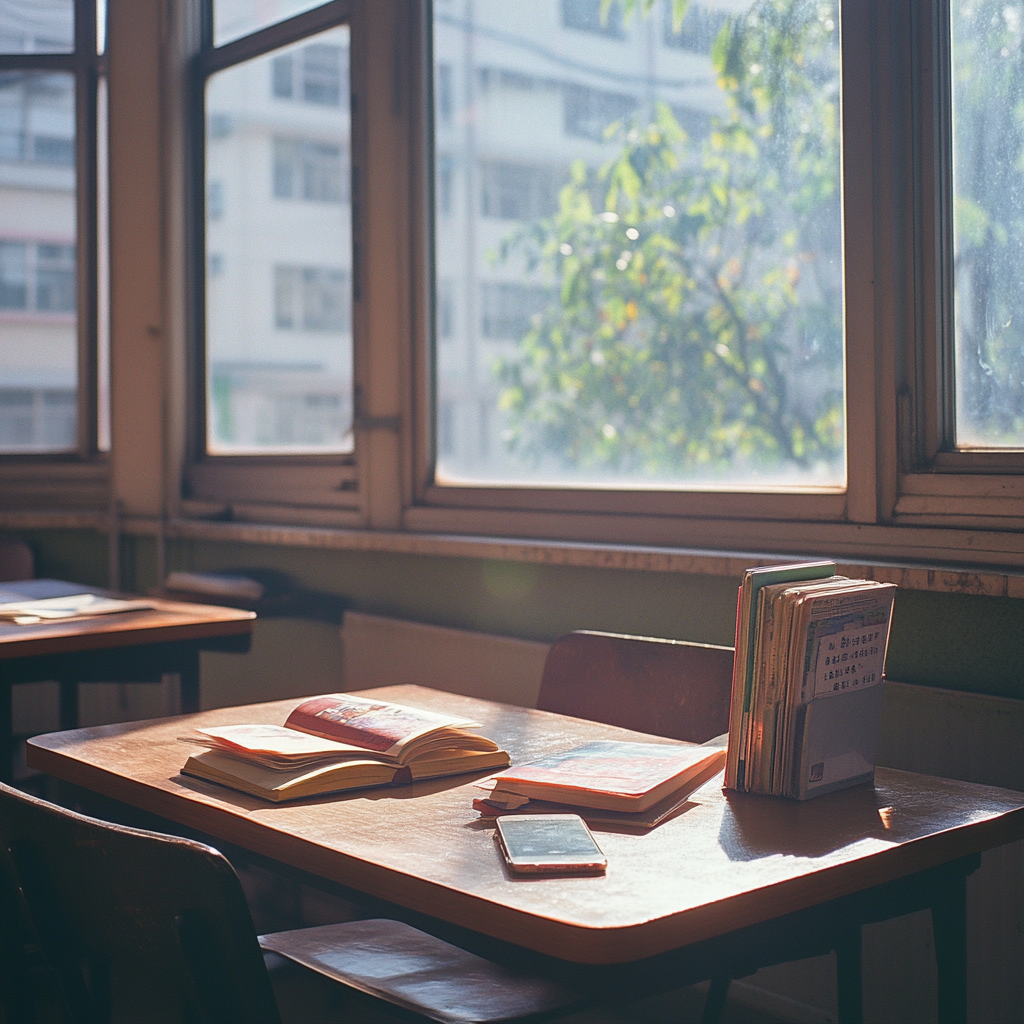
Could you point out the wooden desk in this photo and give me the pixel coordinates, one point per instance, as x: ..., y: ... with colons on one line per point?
x: 722, y: 868
x: 130, y: 647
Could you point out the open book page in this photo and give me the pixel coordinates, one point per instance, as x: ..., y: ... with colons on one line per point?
x: 391, y: 729
x: 275, y: 746
x: 74, y: 606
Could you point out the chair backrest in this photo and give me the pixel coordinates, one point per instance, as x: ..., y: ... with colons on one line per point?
x: 133, y: 924
x: 16, y: 561
x: 666, y: 687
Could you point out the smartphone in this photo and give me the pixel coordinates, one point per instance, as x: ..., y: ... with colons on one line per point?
x: 549, y: 843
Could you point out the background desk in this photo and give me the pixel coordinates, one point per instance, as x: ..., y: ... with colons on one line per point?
x: 132, y: 647
x: 724, y: 867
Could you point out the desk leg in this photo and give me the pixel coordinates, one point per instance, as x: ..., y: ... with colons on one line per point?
x: 189, y: 673
x: 949, y: 926
x: 6, y: 734
x: 848, y: 976
x: 68, y: 704
x: 715, y: 1002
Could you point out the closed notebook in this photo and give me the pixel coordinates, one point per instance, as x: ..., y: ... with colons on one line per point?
x: 608, y: 775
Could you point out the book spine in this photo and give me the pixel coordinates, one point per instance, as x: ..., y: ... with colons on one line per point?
x: 736, y: 705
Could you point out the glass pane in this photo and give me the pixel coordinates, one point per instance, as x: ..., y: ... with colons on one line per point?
x: 279, y: 252
x: 37, y: 26
x: 988, y: 222
x: 639, y: 244
x: 38, y: 327
x: 233, y: 19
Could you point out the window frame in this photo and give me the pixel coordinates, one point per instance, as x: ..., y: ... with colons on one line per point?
x: 78, y: 473
x: 650, y: 514
x: 898, y: 345
x: 937, y: 484
x: 897, y: 505
x: 320, y: 488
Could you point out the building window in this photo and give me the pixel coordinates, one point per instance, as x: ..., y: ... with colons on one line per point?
x: 254, y: 381
x: 594, y: 16
x: 313, y: 171
x: 698, y: 30
x: 445, y: 93
x: 514, y: 191
x: 316, y: 73
x: 215, y: 200
x: 507, y: 311
x: 312, y: 299
x: 589, y: 113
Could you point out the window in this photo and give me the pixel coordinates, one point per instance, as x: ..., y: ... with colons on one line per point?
x: 278, y: 325
x: 52, y: 234
x: 672, y: 305
x: 593, y: 16
x: 589, y: 113
x: 313, y: 74
x: 517, y: 191
x: 311, y: 299
x: 988, y: 247
x: 508, y: 310
x: 313, y: 171
x: 700, y: 284
x: 698, y: 30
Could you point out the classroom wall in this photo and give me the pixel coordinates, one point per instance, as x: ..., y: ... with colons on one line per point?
x: 953, y: 641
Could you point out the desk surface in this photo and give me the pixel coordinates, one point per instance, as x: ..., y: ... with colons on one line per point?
x: 168, y: 622
x: 724, y: 863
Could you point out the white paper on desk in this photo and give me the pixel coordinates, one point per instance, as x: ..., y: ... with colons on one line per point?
x: 73, y: 606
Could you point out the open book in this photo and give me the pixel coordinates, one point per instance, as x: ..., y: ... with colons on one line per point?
x: 339, y: 742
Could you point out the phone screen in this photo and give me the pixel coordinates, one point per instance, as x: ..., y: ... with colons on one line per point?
x: 549, y: 842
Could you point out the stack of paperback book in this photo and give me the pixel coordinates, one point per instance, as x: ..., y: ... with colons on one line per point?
x: 806, y: 693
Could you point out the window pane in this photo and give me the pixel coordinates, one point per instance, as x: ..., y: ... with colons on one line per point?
x: 233, y: 19
x: 37, y: 26
x: 38, y: 330
x: 988, y: 222
x: 639, y: 244
x: 279, y: 252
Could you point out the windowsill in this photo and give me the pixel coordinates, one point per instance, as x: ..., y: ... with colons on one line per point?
x: 982, y: 581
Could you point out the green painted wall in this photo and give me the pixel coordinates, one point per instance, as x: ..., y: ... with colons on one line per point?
x: 956, y: 641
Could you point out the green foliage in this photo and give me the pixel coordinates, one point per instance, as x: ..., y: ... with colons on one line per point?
x: 700, y: 285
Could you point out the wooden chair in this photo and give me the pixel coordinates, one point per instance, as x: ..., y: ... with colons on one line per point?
x: 670, y: 688
x: 124, y: 924
x: 667, y: 687
x: 16, y: 561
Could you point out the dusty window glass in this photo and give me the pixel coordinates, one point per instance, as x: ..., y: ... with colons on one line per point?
x: 37, y: 26
x: 279, y: 252
x: 988, y: 222
x: 38, y: 229
x: 638, y: 244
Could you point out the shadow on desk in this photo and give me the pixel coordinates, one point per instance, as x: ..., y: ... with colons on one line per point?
x: 756, y: 826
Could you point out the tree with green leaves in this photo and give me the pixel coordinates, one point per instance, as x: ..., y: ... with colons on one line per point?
x: 698, y: 323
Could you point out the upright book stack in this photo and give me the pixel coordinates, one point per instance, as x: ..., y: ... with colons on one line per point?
x: 806, y: 693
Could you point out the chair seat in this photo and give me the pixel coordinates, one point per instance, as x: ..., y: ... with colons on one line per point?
x: 416, y: 971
